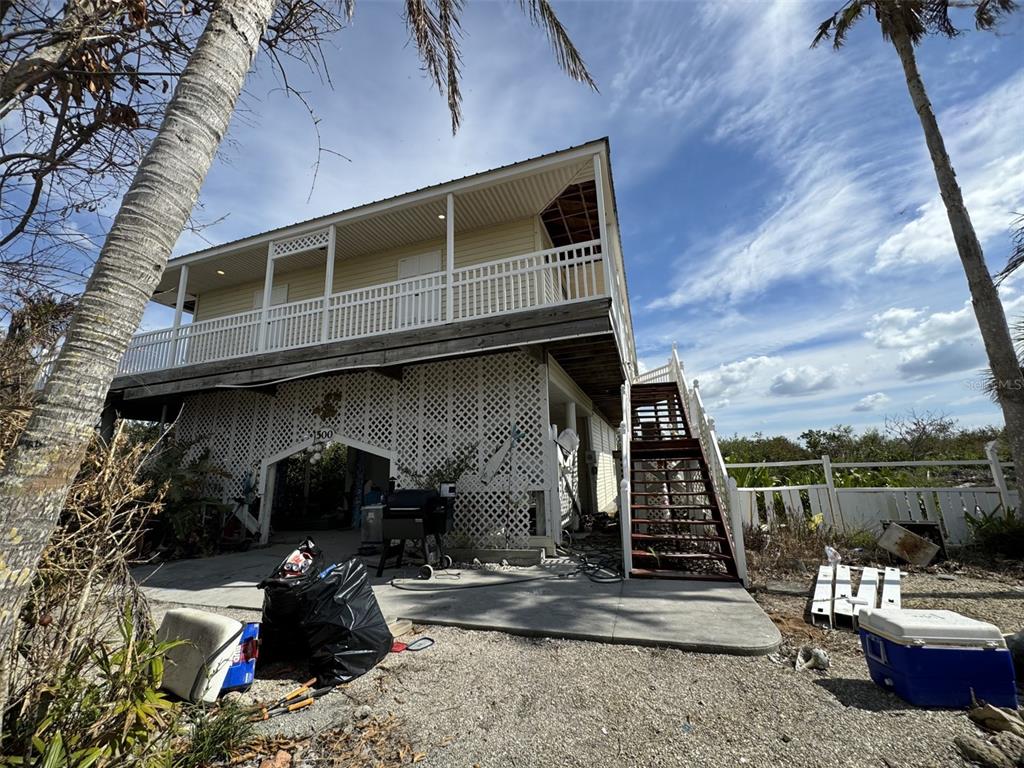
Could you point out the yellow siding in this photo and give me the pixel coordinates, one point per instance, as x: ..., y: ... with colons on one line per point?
x: 515, y: 238
x: 377, y: 268
x: 511, y: 239
x: 602, y: 443
x: 226, y: 301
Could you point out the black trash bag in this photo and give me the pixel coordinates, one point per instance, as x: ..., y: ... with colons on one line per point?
x: 281, y: 634
x: 343, y: 627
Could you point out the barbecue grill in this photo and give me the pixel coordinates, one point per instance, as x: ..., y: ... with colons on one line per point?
x: 419, y: 514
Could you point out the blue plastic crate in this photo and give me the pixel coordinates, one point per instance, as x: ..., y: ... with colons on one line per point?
x: 937, y: 658
x: 242, y: 671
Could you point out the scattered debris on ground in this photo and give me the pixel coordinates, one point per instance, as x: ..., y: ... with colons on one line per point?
x: 1002, y: 742
x: 994, y: 597
x: 907, y: 545
x: 489, y: 699
x: 367, y: 741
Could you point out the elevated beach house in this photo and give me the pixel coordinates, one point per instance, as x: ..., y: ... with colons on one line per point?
x: 487, y: 315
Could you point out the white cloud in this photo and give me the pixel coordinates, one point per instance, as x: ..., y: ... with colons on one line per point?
x: 811, y: 232
x: 731, y: 379
x: 804, y: 380
x: 985, y: 145
x: 901, y: 328
x: 871, y: 402
x: 933, y: 344
x: 941, y: 357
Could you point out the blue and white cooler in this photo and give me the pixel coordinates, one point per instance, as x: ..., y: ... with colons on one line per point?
x: 242, y: 670
x: 937, y: 658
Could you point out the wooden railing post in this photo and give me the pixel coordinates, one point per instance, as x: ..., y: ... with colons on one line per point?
x: 449, y: 274
x: 328, y: 285
x: 736, y: 521
x: 179, y: 306
x: 268, y: 285
x: 833, y: 497
x: 602, y: 226
x: 998, y: 479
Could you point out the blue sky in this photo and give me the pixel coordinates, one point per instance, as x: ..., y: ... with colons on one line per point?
x: 779, y: 214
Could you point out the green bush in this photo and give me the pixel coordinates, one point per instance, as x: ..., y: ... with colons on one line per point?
x: 190, y: 522
x: 213, y: 736
x: 102, y: 707
x: 998, y: 532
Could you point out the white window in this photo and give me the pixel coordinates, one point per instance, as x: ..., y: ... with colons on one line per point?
x: 278, y: 295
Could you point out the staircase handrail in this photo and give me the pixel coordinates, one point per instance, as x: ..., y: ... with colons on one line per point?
x: 696, y: 416
x: 625, y: 485
x: 709, y: 441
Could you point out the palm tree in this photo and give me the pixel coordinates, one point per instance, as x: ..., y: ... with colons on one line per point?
x: 39, y: 471
x: 905, y: 23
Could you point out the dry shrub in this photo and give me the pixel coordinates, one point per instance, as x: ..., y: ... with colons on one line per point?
x: 82, y: 672
x: 794, y: 545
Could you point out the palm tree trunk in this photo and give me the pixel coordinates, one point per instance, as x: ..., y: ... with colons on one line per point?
x: 988, y: 309
x: 154, y: 211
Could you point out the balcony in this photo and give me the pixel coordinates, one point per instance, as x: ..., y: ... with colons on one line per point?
x: 552, y: 277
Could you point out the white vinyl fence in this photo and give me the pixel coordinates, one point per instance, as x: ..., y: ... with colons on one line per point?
x: 853, y: 509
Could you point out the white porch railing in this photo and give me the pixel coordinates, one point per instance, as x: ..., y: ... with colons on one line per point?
x: 853, y: 509
x: 550, y: 277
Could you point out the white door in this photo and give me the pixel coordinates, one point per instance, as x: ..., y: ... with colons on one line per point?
x: 419, y: 303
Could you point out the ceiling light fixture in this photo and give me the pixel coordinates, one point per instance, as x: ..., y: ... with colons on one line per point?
x: 220, y: 271
x: 440, y: 215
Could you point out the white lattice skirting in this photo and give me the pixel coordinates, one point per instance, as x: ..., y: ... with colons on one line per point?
x: 436, y: 409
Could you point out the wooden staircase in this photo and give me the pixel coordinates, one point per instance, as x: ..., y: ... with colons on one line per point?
x: 677, y: 528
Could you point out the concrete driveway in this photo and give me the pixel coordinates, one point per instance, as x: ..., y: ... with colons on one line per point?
x: 552, y: 600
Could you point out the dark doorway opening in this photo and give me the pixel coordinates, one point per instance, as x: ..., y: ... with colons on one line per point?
x: 324, y: 486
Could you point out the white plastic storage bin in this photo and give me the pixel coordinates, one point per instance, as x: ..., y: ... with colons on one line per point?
x: 937, y: 658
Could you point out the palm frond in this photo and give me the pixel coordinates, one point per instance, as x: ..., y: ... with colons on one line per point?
x: 1016, y: 254
x: 569, y: 59
x: 435, y: 43
x: 991, y: 384
x: 448, y: 12
x: 934, y: 17
x: 987, y: 12
x: 436, y: 28
x: 836, y: 27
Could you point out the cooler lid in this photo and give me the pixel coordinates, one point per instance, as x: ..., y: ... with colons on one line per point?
x: 909, y: 626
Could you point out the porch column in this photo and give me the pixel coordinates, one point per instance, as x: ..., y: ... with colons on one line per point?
x: 328, y: 285
x: 570, y: 416
x: 179, y: 306
x: 602, y: 226
x: 268, y: 284
x: 450, y: 257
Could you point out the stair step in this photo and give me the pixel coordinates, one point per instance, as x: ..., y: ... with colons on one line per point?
x: 671, y: 493
x: 671, y: 521
x: 681, y: 556
x: 675, y: 537
x: 667, y: 507
x: 638, y: 470
x: 668, y: 470
x: 664, y: 573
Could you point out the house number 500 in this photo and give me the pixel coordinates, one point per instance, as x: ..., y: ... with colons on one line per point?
x: 323, y: 434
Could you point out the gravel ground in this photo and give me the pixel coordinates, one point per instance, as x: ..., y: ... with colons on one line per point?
x: 490, y: 699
